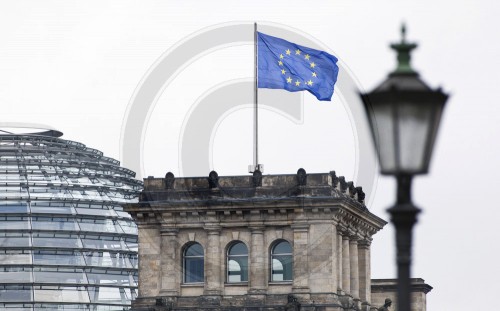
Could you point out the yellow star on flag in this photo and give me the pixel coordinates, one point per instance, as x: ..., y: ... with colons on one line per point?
x: 313, y: 65
x: 297, y: 52
x: 297, y: 83
x: 280, y: 63
x: 281, y: 56
x: 310, y: 83
x: 314, y: 74
x: 289, y: 80
x: 307, y: 56
x: 283, y: 71
x: 288, y: 52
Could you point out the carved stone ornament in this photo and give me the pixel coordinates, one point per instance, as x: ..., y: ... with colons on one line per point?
x: 352, y: 189
x: 335, y: 179
x: 169, y: 180
x: 301, y: 177
x: 361, y: 194
x: 257, y: 178
x: 293, y: 304
x: 343, y: 184
x: 213, y: 180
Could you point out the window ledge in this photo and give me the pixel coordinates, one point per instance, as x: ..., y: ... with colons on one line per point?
x: 236, y: 284
x: 281, y: 283
x: 193, y: 284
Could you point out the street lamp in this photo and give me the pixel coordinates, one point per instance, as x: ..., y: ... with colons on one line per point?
x: 404, y: 115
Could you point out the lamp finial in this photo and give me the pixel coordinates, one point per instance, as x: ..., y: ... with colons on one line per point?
x: 403, y: 49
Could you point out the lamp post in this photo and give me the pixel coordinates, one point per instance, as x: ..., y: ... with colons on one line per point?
x: 404, y: 115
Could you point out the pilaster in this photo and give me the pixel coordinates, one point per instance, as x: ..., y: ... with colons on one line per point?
x: 354, y: 266
x: 213, y: 284
x: 170, y: 265
x: 258, y: 271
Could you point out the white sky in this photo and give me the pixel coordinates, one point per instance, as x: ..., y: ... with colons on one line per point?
x: 75, y: 66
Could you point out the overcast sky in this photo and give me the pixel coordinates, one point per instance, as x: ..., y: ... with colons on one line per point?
x: 76, y: 65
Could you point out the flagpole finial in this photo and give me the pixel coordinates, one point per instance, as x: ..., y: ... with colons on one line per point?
x: 403, y: 32
x: 403, y: 50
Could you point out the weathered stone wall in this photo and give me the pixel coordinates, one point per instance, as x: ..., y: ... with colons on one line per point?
x: 320, y: 215
x: 387, y: 288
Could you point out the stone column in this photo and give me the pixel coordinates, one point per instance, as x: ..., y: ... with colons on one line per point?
x: 339, y: 259
x: 354, y: 265
x: 346, y: 264
x: 300, y: 258
x: 258, y: 279
x: 213, y: 263
x: 364, y: 271
x: 171, y: 267
x: 335, y: 259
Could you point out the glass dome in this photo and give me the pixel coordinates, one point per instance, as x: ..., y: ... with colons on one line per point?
x: 65, y: 241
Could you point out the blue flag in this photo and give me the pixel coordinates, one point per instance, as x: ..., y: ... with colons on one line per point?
x: 289, y: 66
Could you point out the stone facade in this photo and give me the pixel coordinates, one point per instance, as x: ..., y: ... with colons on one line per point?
x: 387, y: 288
x: 320, y: 216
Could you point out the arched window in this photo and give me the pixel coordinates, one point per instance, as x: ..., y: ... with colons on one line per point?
x: 237, y: 263
x: 281, y: 262
x: 194, y: 264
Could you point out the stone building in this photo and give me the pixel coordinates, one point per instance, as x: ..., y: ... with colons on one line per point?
x: 272, y: 242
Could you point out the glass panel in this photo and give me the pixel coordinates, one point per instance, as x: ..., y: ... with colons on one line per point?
x: 110, y: 279
x: 54, y: 223
x: 238, y: 269
x: 51, y: 210
x: 15, y: 277
x: 282, y: 247
x: 194, y: 250
x: 46, y: 257
x: 102, y: 244
x: 282, y: 268
x: 97, y: 225
x: 15, y: 293
x: 14, y: 241
x: 238, y: 249
x: 132, y: 244
x: 237, y: 264
x: 123, y: 214
x: 60, y: 277
x: 128, y: 226
x: 108, y: 295
x: 95, y: 212
x: 414, y: 125
x: 11, y: 256
x: 21, y: 208
x: 107, y: 259
x: 58, y: 294
x: 56, y: 241
x: 277, y: 270
x: 385, y: 140
x: 14, y: 223
x: 194, y: 270
x: 16, y: 307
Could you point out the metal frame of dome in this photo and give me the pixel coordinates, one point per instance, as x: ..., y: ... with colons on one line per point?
x: 65, y: 241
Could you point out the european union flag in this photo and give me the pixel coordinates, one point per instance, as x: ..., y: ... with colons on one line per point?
x: 289, y: 66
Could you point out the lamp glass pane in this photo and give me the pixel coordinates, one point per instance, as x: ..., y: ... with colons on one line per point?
x: 413, y: 126
x: 383, y: 129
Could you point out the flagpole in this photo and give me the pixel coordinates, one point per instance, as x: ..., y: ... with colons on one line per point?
x: 256, y: 100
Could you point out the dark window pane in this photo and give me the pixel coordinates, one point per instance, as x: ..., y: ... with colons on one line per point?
x: 238, y: 249
x: 194, y: 250
x: 281, y: 262
x: 282, y: 247
x: 194, y: 270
